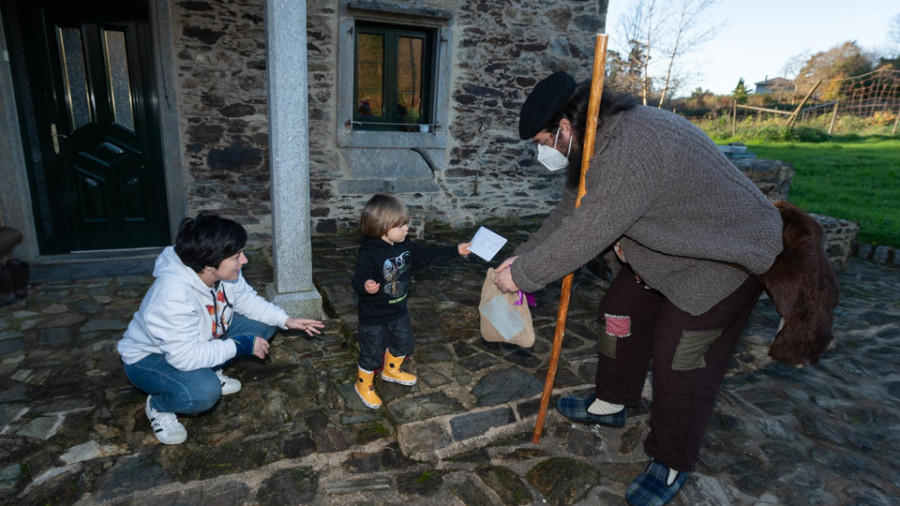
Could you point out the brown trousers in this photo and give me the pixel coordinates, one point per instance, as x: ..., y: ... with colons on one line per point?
x: 689, y: 357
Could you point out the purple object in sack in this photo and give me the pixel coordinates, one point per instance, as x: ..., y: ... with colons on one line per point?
x: 529, y: 297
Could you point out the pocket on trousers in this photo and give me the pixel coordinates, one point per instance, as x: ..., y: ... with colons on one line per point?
x: 607, y: 345
x: 692, y: 347
x: 616, y: 327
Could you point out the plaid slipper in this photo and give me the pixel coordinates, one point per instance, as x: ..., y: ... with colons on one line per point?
x: 575, y: 409
x: 650, y: 488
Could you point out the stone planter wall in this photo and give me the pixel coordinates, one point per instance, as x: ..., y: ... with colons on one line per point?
x: 773, y: 177
x: 839, y: 238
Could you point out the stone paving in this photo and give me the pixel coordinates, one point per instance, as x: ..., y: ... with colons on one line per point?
x: 74, y: 429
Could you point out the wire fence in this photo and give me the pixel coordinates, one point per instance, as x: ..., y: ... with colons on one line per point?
x: 839, y: 104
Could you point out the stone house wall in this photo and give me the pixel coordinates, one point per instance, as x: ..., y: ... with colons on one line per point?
x: 500, y: 49
x: 221, y: 76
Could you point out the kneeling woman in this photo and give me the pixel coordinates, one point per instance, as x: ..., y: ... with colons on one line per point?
x: 198, y: 315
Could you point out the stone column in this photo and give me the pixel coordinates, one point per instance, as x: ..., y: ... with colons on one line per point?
x: 286, y: 66
x: 15, y: 197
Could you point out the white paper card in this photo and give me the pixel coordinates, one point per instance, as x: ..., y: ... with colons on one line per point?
x: 486, y: 243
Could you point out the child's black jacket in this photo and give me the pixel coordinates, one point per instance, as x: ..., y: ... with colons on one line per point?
x: 390, y: 265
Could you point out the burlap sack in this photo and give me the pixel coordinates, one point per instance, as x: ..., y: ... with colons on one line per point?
x: 501, y: 319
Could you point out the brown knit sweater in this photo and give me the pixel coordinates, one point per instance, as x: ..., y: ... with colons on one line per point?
x: 689, y: 223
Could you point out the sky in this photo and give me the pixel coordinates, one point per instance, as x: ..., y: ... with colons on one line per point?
x: 759, y: 37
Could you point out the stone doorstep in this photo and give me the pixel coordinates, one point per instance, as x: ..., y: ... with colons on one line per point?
x: 447, y: 435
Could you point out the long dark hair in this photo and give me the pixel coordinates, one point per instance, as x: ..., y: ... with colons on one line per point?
x: 576, y: 111
x: 207, y: 240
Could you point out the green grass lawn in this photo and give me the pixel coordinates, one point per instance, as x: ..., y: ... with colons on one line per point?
x: 856, y: 179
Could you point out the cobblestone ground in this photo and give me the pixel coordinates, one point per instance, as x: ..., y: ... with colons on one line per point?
x: 74, y: 429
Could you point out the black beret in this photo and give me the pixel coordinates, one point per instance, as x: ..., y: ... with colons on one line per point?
x: 548, y: 97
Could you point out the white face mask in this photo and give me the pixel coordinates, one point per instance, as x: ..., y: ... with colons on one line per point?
x: 552, y: 159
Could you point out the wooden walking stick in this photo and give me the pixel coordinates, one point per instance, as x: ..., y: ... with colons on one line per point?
x: 590, y: 132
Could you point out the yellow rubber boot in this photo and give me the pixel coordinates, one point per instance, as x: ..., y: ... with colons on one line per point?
x: 365, y: 389
x: 392, y: 372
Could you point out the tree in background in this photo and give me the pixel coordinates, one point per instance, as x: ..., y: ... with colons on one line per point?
x: 894, y: 32
x: 663, y: 32
x: 839, y: 62
x: 623, y: 73
x: 697, y: 100
x: 893, y: 59
x: 701, y: 104
x: 641, y: 33
x: 740, y: 92
x: 687, y: 31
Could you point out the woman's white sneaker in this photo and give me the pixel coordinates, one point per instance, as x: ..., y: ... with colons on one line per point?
x: 166, y: 427
x: 229, y: 385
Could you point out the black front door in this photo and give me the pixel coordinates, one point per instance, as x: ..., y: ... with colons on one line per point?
x: 88, y: 92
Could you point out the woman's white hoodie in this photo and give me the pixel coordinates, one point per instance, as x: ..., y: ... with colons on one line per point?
x: 179, y: 314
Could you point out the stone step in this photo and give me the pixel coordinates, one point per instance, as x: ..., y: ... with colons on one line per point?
x: 442, y: 436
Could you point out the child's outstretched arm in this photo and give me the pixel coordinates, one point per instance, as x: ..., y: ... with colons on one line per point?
x: 464, y: 248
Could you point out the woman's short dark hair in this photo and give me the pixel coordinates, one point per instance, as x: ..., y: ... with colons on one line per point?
x: 382, y: 213
x: 207, y: 240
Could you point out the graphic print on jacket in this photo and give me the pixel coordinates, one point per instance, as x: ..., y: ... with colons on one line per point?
x: 220, y: 320
x: 393, y: 268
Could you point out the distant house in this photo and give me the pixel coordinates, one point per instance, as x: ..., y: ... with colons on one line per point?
x: 774, y: 86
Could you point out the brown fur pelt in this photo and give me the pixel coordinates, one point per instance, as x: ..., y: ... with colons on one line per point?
x: 804, y: 288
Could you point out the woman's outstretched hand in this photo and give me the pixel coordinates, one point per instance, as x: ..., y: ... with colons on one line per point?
x: 309, y: 326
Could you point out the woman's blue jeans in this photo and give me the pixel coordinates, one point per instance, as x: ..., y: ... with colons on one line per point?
x: 176, y: 391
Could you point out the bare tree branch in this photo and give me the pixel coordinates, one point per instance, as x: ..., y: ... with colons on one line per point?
x: 655, y: 34
x: 894, y: 29
x: 689, y: 31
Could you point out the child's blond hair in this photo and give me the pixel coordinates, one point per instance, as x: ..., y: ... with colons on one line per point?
x: 382, y: 213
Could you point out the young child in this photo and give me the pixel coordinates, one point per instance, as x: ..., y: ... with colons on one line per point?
x: 382, y: 280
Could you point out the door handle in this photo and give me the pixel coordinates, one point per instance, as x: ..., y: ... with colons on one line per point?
x: 55, y: 136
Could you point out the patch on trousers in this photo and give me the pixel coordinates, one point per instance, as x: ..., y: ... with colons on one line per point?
x: 692, y: 346
x: 617, y: 327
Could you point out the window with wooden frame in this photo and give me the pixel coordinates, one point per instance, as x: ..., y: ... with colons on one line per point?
x: 393, y: 82
x: 394, y: 66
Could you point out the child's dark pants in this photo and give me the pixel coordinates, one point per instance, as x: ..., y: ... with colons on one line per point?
x: 374, y: 340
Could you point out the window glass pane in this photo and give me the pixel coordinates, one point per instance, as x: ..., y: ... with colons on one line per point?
x: 370, y: 75
x: 119, y: 81
x: 75, y: 76
x: 409, y: 78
